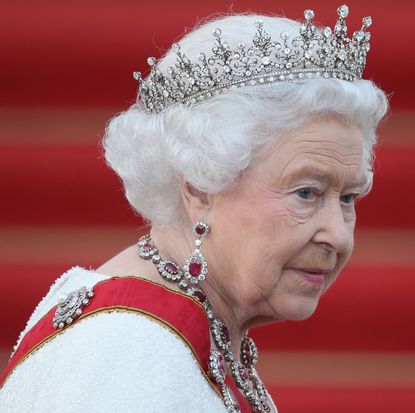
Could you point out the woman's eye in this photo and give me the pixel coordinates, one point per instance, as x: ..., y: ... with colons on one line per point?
x: 348, y: 199
x: 307, y: 193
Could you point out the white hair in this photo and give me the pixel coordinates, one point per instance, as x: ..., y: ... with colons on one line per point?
x: 210, y: 145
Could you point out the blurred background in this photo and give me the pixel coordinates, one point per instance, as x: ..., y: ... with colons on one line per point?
x: 66, y: 68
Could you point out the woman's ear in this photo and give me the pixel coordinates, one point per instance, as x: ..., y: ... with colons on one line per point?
x: 197, y: 203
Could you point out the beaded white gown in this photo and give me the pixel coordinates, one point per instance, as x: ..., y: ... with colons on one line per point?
x: 108, y: 363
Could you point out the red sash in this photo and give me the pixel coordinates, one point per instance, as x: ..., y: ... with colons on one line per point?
x: 180, y: 314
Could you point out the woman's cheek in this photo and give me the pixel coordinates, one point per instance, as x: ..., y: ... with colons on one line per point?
x: 300, y: 211
x: 349, y: 214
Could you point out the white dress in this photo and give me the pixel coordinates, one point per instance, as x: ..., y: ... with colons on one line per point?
x: 107, y: 363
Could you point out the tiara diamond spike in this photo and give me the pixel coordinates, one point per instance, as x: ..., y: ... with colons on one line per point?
x: 292, y: 57
x: 137, y: 75
x: 343, y: 11
x: 309, y: 14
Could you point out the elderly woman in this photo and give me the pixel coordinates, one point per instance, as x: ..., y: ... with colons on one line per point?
x: 246, y: 152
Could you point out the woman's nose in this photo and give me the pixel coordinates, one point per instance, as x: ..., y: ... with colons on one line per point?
x: 333, y: 229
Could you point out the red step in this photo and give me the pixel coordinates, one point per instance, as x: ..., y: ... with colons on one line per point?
x: 367, y: 309
x: 353, y: 400
x: 81, y: 53
x: 70, y: 184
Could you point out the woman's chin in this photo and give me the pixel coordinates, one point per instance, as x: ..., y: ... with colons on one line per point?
x: 299, y: 308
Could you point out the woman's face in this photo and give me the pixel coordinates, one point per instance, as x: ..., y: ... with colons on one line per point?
x: 285, y: 232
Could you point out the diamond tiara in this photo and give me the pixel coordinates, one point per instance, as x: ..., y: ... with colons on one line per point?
x: 313, y: 53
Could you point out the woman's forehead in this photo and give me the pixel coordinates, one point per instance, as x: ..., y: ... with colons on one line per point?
x: 327, y: 130
x: 322, y: 150
x: 321, y: 137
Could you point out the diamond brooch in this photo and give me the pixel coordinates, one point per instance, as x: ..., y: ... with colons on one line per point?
x: 70, y: 306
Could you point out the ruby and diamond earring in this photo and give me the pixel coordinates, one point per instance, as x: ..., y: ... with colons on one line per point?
x: 195, y: 267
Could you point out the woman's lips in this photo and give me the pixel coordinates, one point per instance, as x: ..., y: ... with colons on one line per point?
x: 314, y: 276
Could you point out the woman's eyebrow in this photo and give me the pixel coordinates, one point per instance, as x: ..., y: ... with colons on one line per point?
x: 323, y: 176
x: 309, y: 172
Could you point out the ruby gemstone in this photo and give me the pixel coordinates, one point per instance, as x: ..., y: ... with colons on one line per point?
x: 200, y: 230
x: 245, y: 373
x: 247, y: 353
x: 222, y: 365
x: 195, y: 268
x: 171, y: 268
x: 225, y: 335
x: 249, y: 357
x: 147, y: 246
x: 200, y: 295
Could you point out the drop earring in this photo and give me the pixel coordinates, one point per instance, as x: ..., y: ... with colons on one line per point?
x: 195, y: 268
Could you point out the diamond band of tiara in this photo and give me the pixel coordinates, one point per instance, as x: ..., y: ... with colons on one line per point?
x: 313, y: 53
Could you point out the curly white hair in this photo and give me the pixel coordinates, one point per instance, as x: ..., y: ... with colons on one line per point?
x: 210, y: 145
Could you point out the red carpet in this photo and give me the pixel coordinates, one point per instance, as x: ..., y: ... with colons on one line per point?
x: 316, y: 400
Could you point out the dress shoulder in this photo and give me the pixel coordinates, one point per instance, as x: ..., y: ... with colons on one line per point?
x: 109, y: 361
x: 70, y: 280
x: 112, y: 362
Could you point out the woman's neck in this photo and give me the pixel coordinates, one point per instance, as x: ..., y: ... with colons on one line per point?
x: 177, y: 245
